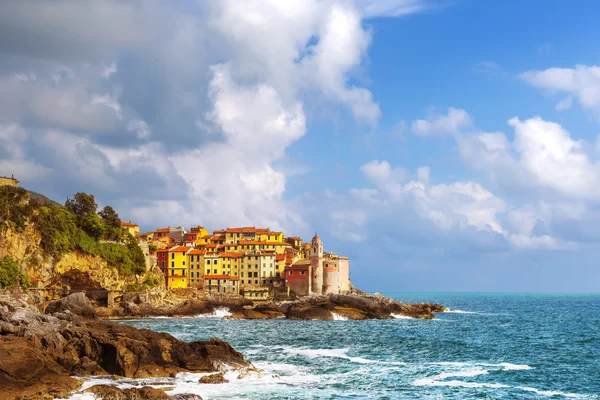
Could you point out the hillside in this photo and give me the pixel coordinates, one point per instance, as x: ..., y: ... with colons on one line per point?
x: 45, y: 245
x: 40, y: 198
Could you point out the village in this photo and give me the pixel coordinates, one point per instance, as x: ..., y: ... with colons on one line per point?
x: 256, y: 263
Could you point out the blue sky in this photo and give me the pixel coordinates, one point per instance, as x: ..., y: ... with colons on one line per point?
x: 442, y: 145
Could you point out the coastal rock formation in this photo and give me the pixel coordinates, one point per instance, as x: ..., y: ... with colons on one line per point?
x: 106, y: 392
x: 39, y: 352
x: 350, y: 306
x: 213, y: 379
x: 75, y: 303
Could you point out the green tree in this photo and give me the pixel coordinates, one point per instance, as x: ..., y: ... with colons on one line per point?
x: 14, y: 207
x: 81, y: 205
x: 94, y: 226
x: 112, y: 223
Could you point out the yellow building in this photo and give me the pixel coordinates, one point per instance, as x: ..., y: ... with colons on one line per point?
x: 250, y: 269
x: 196, y: 268
x: 213, y: 264
x: 177, y: 272
x: 6, y: 181
x: 133, y: 229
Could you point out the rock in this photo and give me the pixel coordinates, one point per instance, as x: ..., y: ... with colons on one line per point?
x: 214, y: 379
x: 75, y: 303
x: 186, y: 396
x: 39, y: 354
x: 350, y: 313
x: 106, y: 392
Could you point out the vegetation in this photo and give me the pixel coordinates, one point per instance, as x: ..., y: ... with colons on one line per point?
x: 10, y: 274
x: 73, y: 227
x: 152, y: 282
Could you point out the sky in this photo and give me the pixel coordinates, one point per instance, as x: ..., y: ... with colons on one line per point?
x: 443, y: 145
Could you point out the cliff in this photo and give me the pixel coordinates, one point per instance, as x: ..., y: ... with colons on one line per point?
x: 71, y: 270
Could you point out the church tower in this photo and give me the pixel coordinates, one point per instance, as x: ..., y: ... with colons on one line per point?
x: 316, y: 264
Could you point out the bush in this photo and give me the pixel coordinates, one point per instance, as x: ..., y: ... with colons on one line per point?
x: 9, y: 272
x: 15, y: 210
x: 152, y: 282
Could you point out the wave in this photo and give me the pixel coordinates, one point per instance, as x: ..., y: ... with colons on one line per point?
x: 337, y: 317
x: 400, y: 316
x: 333, y: 353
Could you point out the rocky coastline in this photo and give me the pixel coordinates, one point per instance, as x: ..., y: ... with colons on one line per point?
x: 43, y: 350
x: 356, y: 306
x: 40, y: 353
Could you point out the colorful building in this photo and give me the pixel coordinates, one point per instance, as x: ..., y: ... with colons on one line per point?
x: 196, y: 268
x: 131, y: 228
x: 177, y: 269
x: 6, y: 181
x: 221, y: 284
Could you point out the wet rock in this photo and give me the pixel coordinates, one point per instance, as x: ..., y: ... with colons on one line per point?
x: 106, y: 392
x: 185, y: 396
x: 75, y: 303
x: 39, y: 353
x: 214, y: 379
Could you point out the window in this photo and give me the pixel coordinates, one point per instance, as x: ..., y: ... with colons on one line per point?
x: 172, y: 264
x: 183, y: 262
x: 172, y: 272
x: 255, y: 274
x: 172, y: 255
x: 208, y: 272
x: 291, y: 272
x: 242, y: 274
x: 256, y: 282
x: 214, y: 271
x: 265, y: 265
x: 302, y: 272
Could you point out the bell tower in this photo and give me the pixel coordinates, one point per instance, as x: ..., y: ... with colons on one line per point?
x: 316, y: 264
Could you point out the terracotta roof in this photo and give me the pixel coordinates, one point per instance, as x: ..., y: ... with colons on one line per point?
x: 197, y: 252
x: 218, y: 238
x: 263, y: 243
x: 218, y: 277
x: 125, y: 223
x: 207, y: 237
x: 280, y: 257
x: 302, y: 262
x: 162, y: 230
x: 182, y: 249
x: 233, y: 230
x: 230, y: 254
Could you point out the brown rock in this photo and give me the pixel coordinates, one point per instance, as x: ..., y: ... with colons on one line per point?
x: 75, y: 303
x: 350, y: 313
x: 214, y: 379
x: 106, y: 392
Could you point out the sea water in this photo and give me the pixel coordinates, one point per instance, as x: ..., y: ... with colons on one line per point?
x: 493, y: 346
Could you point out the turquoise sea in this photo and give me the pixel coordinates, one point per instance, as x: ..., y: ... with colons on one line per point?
x: 495, y: 346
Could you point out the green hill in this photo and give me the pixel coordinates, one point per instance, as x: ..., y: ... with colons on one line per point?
x: 41, y: 199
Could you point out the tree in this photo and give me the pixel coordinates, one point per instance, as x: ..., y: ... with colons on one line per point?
x: 94, y: 226
x: 112, y: 223
x: 81, y: 206
x: 110, y: 217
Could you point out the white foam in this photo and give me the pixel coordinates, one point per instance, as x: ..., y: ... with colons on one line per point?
x: 333, y: 353
x: 400, y: 316
x: 337, y: 317
x: 549, y: 393
x: 219, y: 313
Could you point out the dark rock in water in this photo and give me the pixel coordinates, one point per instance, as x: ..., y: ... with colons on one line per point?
x: 39, y: 353
x: 186, y: 396
x: 75, y: 303
x: 214, y: 378
x: 106, y: 392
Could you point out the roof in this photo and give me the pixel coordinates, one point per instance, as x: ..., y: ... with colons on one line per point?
x: 230, y: 254
x: 162, y: 230
x: 182, y: 249
x: 233, y: 278
x: 280, y: 257
x: 261, y: 242
x: 125, y: 223
x: 207, y: 237
x: 197, y: 252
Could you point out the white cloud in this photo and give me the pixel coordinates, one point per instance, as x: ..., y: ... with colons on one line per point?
x: 582, y: 82
x: 543, y: 155
x: 564, y: 104
x: 452, y: 123
x: 392, y: 8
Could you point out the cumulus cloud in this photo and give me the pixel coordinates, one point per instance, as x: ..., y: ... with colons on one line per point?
x: 177, y: 113
x: 582, y: 82
x: 452, y: 123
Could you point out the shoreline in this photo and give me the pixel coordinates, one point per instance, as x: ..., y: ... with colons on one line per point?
x: 317, y: 307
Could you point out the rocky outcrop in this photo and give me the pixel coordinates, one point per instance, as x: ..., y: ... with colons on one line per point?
x: 354, y: 307
x: 75, y: 303
x: 106, y: 392
x: 39, y: 352
x: 213, y: 379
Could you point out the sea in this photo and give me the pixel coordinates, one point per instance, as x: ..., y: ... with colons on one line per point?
x: 492, y: 346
